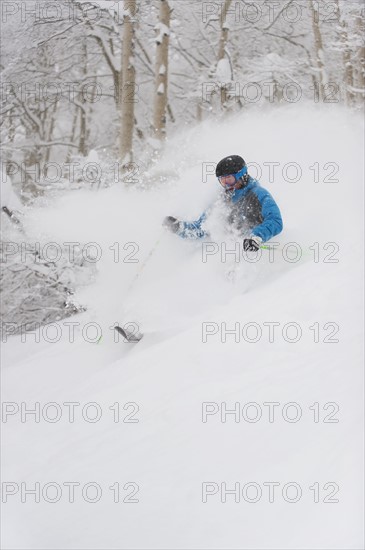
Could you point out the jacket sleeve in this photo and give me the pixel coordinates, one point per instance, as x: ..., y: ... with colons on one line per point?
x: 272, y: 223
x: 193, y: 230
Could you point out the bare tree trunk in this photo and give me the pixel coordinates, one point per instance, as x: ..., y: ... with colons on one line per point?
x: 127, y: 87
x: 82, y: 141
x: 360, y: 23
x: 199, y: 111
x: 83, y: 130
x: 32, y: 163
x: 73, y: 133
x: 346, y: 55
x: 222, y: 52
x: 148, y: 59
x: 318, y: 44
x: 50, y: 131
x: 89, y: 119
x: 161, y: 70
x: 349, y: 70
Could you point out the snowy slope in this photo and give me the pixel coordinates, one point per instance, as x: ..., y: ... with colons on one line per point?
x: 170, y: 452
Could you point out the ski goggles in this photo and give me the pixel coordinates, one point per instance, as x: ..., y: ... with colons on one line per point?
x: 227, y: 180
x: 231, y: 179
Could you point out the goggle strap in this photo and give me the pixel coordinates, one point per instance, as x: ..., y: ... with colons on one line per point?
x: 241, y: 173
x: 238, y: 175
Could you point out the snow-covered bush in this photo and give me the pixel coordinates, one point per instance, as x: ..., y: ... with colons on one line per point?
x: 34, y: 289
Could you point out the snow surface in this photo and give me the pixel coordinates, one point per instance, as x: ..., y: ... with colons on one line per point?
x: 170, y: 452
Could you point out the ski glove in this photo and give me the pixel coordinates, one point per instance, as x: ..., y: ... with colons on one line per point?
x: 253, y: 243
x: 172, y: 224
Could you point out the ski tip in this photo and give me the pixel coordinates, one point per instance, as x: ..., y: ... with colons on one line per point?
x: 130, y: 337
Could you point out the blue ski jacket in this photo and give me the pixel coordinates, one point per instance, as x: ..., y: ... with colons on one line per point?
x: 251, y: 211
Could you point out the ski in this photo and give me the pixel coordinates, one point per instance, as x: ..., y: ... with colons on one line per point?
x: 13, y: 218
x: 130, y: 337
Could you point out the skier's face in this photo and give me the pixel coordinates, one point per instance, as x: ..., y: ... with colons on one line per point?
x: 228, y: 182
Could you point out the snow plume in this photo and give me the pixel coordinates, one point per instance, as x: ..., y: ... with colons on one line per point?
x: 179, y: 441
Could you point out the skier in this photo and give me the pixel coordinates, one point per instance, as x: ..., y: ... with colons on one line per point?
x: 251, y: 209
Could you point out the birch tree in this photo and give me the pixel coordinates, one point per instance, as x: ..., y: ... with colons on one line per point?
x: 346, y: 55
x: 224, y: 65
x: 161, y: 71
x: 360, y: 77
x: 318, y: 47
x: 127, y: 86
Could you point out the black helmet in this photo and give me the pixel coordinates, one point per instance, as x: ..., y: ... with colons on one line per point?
x: 230, y: 165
